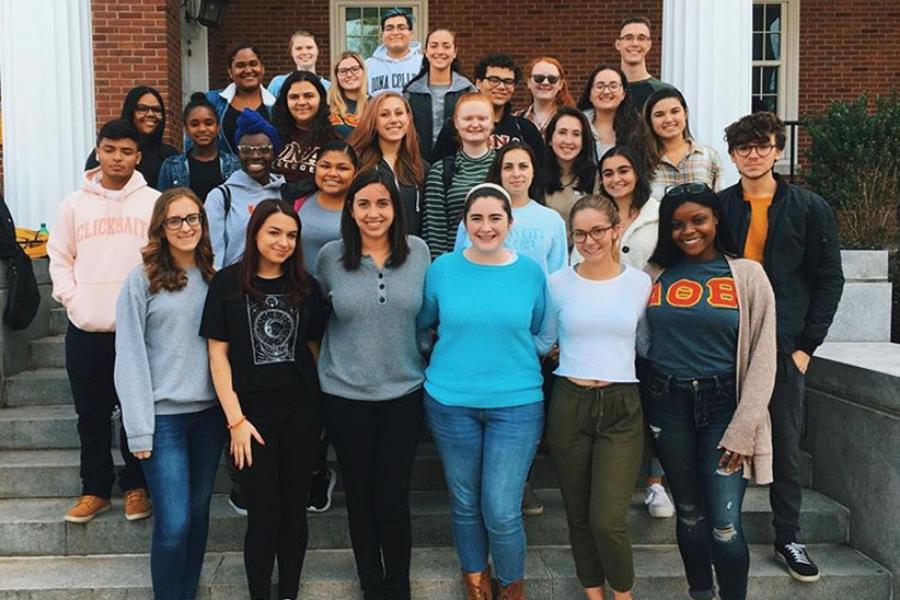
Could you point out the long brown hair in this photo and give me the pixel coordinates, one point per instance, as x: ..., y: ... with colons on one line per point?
x: 563, y: 96
x: 161, y: 272
x: 409, y: 170
x: 298, y: 278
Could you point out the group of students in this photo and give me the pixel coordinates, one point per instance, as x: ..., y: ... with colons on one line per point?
x: 291, y: 289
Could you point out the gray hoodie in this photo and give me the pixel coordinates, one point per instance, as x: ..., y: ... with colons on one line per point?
x: 227, y: 231
x: 388, y: 74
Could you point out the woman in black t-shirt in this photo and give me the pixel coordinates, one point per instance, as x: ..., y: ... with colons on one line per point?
x: 264, y: 320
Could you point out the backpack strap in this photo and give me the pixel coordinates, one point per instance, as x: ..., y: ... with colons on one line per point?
x: 226, y: 199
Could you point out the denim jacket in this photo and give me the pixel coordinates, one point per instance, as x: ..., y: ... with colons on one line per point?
x: 220, y: 99
x: 174, y: 171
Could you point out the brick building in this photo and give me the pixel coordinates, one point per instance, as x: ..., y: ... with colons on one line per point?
x: 805, y: 52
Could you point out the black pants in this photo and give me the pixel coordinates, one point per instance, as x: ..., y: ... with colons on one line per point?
x: 90, y: 358
x: 275, y: 489
x: 376, y: 445
x: 786, y: 411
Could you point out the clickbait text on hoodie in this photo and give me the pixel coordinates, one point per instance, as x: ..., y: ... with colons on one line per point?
x: 111, y: 226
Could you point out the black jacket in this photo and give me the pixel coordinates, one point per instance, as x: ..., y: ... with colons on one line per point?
x: 419, y: 96
x: 802, y: 258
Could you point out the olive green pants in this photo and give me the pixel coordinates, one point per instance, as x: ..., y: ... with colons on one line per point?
x: 596, y: 438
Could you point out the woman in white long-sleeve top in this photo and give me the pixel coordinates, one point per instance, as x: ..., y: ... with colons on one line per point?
x: 169, y: 408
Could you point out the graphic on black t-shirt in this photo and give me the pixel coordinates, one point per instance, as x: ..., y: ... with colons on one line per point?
x: 273, y: 329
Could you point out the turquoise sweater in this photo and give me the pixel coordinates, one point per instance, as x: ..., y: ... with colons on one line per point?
x: 491, y: 326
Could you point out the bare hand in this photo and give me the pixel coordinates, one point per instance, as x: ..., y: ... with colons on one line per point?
x: 801, y: 359
x: 142, y: 455
x: 730, y: 461
x: 241, y: 442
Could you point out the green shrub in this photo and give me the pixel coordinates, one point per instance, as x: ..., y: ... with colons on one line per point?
x: 854, y: 162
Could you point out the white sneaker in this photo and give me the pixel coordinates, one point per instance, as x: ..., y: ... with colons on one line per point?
x: 658, y: 503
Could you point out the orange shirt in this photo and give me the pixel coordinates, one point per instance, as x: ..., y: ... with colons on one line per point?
x: 759, y: 226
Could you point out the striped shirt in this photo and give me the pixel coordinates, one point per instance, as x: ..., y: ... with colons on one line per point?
x: 700, y: 165
x: 442, y: 210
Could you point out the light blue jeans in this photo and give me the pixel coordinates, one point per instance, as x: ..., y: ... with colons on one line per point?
x: 486, y: 455
x: 181, y: 471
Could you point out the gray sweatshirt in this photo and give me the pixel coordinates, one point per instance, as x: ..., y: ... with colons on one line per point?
x: 227, y: 232
x: 162, y: 366
x: 369, y: 351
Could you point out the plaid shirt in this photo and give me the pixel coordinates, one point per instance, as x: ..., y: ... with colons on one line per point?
x: 700, y: 165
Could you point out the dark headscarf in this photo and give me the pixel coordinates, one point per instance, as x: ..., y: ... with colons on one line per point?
x: 250, y: 122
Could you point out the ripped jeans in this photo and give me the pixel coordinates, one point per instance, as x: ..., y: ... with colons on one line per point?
x: 687, y: 418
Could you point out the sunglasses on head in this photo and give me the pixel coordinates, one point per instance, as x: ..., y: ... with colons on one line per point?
x: 540, y: 78
x: 687, y: 189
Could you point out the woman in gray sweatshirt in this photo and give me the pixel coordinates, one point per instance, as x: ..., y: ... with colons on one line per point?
x: 172, y: 419
x: 371, y: 373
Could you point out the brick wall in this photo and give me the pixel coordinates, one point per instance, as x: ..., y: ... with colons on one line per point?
x: 580, y: 32
x: 847, y: 47
x: 138, y: 43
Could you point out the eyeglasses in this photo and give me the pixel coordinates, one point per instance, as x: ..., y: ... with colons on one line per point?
x: 597, y: 234
x: 175, y: 223
x: 762, y: 150
x: 143, y: 109
x: 344, y: 71
x: 687, y: 189
x: 495, y: 81
x: 247, y: 149
x: 540, y: 78
x: 612, y: 86
x: 631, y: 37
x: 399, y: 28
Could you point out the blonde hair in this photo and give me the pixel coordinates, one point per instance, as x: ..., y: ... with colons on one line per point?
x: 603, y: 205
x: 364, y: 140
x: 337, y: 102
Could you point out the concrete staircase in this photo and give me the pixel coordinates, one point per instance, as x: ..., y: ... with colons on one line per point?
x: 44, y: 558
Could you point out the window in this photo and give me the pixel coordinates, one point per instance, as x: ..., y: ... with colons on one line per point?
x: 356, y: 25
x: 775, y: 48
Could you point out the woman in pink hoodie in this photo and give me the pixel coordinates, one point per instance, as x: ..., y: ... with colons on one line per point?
x: 95, y: 242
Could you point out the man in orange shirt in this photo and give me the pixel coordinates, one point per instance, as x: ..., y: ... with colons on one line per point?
x: 793, y: 233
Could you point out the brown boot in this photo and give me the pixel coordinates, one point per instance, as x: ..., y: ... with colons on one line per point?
x: 480, y: 589
x: 514, y: 591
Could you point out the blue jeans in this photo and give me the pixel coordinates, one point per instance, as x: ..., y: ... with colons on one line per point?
x: 181, y: 471
x: 687, y: 419
x: 486, y: 455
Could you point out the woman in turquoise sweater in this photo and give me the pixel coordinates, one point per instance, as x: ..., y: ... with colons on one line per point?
x: 483, y: 398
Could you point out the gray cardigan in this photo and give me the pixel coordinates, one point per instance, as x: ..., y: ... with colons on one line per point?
x: 162, y: 366
x: 369, y: 351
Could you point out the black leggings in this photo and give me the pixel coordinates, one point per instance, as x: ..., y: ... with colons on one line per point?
x: 275, y: 489
x: 376, y: 445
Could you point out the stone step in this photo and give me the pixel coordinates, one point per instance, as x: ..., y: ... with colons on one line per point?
x: 59, y: 321
x: 331, y: 575
x: 38, y: 387
x: 35, y: 526
x: 48, y: 352
x: 54, y: 472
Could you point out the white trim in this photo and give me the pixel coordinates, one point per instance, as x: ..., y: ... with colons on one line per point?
x: 194, y: 53
x: 338, y: 40
x: 789, y: 73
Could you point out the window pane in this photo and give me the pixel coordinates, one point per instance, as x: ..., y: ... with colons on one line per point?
x: 758, y: 17
x: 771, y: 103
x: 352, y: 14
x: 773, y: 48
x: 758, y: 46
x: 773, y: 17
x: 757, y: 80
x: 770, y: 80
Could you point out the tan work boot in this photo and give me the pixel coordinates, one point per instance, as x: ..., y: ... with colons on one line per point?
x: 480, y: 588
x: 87, y: 508
x: 137, y: 504
x: 514, y: 591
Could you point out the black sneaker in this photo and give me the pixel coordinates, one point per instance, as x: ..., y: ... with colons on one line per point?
x: 237, y: 504
x: 320, y: 489
x: 797, y: 560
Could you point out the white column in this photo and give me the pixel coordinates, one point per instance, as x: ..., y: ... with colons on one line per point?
x: 47, y: 86
x: 194, y: 55
x: 707, y: 54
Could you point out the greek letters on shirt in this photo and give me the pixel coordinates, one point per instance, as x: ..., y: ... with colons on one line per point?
x: 273, y: 329
x: 685, y: 293
x: 297, y: 159
x: 107, y: 226
x: 499, y: 140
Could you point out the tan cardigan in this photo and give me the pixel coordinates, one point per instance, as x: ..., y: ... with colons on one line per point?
x: 750, y: 430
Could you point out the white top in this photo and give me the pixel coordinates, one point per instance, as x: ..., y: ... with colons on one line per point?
x: 639, y: 240
x: 597, y: 323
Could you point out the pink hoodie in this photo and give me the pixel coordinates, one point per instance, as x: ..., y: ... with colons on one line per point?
x: 94, y: 244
